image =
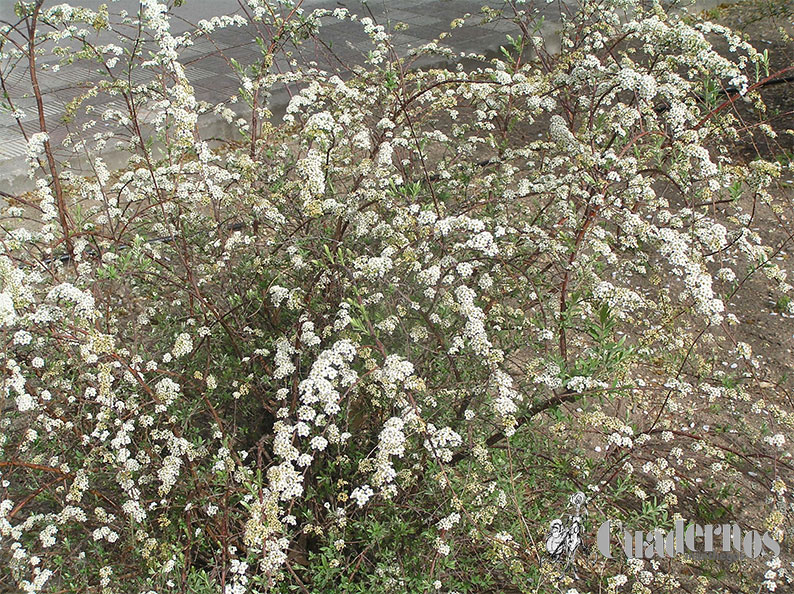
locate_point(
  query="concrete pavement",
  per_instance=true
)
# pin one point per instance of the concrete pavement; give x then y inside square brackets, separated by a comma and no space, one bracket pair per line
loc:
[206,62]
[208,69]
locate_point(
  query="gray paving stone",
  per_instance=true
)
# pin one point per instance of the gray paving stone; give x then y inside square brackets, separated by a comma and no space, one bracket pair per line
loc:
[13,149]
[212,77]
[393,16]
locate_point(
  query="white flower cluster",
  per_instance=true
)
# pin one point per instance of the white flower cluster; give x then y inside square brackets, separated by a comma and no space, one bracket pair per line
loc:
[441,441]
[361,495]
[84,305]
[449,522]
[393,374]
[391,442]
[7,312]
[475,331]
[36,144]
[182,346]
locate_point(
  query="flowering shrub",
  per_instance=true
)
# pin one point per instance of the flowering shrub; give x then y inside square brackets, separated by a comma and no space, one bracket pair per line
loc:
[372,346]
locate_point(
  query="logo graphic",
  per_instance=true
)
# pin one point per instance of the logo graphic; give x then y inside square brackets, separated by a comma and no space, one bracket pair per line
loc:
[564,541]
[682,540]
[724,541]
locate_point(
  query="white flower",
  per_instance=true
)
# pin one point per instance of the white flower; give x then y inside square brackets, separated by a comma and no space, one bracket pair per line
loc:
[22,337]
[25,402]
[47,536]
[448,522]
[362,494]
[36,144]
[319,443]
[182,346]
[744,350]
[7,312]
[777,440]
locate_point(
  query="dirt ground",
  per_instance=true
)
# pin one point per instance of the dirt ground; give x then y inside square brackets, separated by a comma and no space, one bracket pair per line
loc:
[767,24]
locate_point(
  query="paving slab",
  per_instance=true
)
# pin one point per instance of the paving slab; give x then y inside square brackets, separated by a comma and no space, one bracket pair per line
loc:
[207,62]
